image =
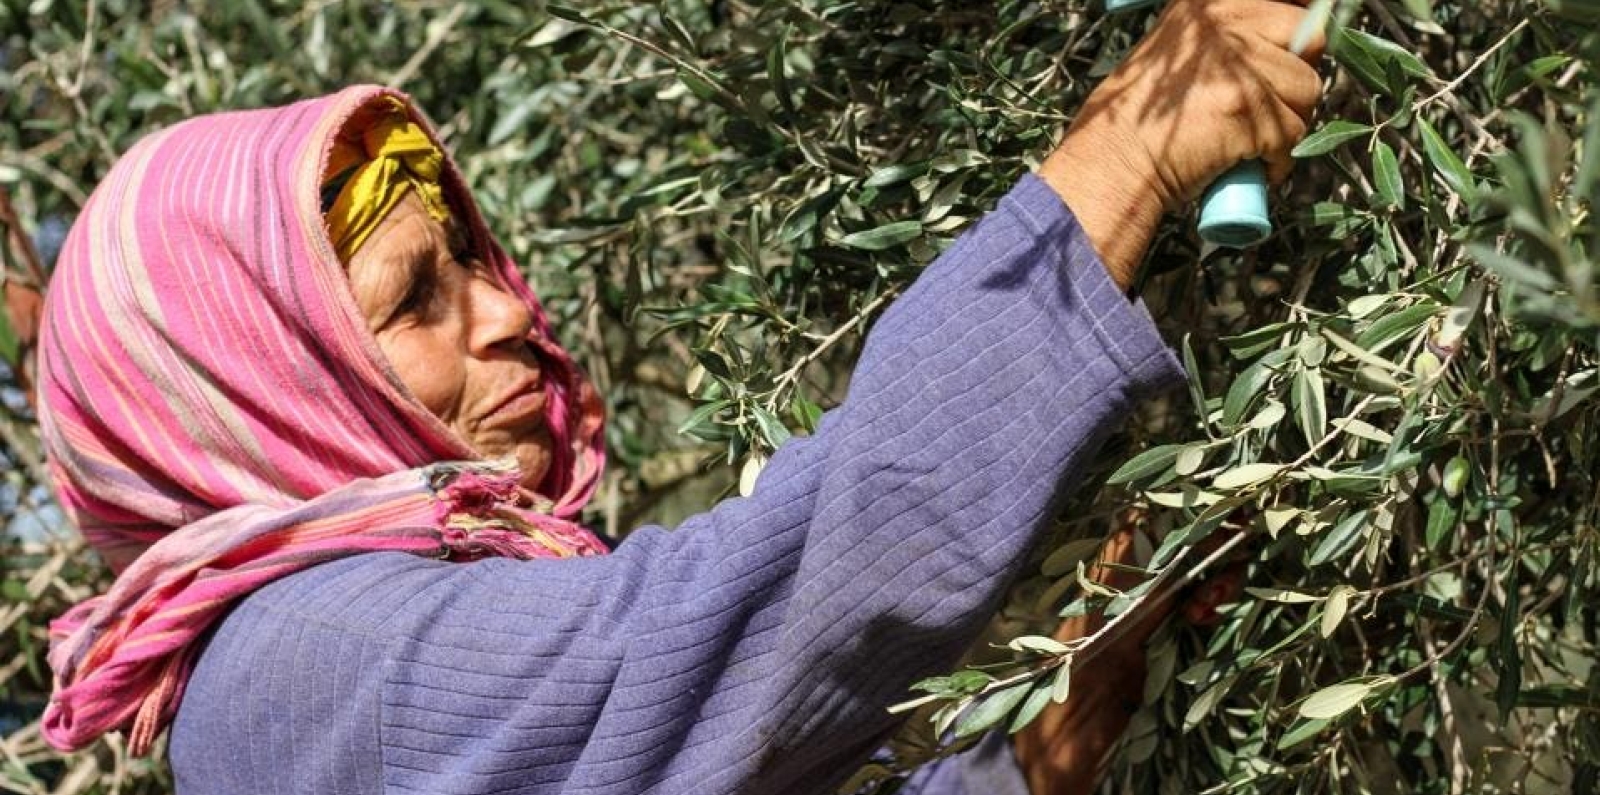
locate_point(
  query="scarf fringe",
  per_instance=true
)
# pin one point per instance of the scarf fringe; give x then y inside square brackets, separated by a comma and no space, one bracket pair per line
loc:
[480,516]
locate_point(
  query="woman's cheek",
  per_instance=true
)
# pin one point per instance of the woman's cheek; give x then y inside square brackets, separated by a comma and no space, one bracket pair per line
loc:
[427,367]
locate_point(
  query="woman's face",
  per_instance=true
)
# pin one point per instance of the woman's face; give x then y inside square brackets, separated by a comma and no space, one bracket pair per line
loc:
[455,335]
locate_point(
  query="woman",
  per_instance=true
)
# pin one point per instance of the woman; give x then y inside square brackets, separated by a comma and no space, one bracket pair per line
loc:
[307,409]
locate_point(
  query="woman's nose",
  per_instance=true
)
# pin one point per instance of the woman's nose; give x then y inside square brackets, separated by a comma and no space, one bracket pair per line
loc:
[500,319]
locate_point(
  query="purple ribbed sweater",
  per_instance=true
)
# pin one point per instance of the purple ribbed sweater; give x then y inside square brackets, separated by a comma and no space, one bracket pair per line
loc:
[755,648]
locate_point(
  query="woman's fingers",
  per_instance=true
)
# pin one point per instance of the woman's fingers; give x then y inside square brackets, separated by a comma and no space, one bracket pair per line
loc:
[1222,585]
[1222,588]
[1278,103]
[1279,24]
[1293,80]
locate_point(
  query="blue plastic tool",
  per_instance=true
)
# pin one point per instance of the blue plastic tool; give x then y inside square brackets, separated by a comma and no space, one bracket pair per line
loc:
[1233,211]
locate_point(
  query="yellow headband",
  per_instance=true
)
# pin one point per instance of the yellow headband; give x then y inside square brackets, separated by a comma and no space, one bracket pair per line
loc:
[395,155]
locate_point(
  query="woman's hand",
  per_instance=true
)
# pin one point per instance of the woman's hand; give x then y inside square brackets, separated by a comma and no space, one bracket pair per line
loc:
[1215,83]
[1065,749]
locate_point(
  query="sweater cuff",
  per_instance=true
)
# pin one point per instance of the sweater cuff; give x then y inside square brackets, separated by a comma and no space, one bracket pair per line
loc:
[1121,324]
[990,767]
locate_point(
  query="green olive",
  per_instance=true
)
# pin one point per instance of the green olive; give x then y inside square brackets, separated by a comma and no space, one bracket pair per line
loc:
[1455,476]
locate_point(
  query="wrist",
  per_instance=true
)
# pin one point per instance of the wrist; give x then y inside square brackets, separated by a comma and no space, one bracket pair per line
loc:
[1114,192]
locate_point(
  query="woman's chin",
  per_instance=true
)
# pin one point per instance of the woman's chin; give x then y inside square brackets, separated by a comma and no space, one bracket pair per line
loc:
[530,448]
[533,460]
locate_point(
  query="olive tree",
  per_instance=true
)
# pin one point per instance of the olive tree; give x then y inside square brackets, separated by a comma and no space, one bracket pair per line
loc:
[1390,420]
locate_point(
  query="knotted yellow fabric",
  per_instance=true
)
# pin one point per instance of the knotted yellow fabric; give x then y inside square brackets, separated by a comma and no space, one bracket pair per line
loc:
[394,155]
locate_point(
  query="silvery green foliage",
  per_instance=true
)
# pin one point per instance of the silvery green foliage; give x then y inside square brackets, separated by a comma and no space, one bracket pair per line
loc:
[1395,395]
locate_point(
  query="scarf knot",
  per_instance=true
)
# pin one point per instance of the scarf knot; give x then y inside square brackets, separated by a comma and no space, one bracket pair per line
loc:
[396,156]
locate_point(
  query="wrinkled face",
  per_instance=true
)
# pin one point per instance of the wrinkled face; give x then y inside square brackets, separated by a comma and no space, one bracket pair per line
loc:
[455,335]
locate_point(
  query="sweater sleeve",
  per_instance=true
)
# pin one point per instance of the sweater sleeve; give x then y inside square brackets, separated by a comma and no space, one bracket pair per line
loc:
[755,648]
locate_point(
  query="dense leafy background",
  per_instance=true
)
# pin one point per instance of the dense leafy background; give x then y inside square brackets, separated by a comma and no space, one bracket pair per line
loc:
[1396,394]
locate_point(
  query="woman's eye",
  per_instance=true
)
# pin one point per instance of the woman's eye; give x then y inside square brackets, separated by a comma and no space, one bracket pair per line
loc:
[418,298]
[422,297]
[466,257]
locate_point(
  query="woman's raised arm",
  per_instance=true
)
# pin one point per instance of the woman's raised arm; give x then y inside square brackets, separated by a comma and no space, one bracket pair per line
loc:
[755,648]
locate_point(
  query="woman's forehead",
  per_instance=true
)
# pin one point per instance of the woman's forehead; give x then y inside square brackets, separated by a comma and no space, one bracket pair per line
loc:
[407,224]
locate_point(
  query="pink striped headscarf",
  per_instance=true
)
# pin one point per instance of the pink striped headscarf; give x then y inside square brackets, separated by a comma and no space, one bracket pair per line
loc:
[217,415]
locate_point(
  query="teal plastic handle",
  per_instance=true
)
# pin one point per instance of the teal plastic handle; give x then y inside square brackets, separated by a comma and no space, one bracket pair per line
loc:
[1233,212]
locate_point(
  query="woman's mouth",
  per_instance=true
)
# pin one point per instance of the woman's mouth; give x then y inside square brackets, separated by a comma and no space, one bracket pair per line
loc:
[524,404]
